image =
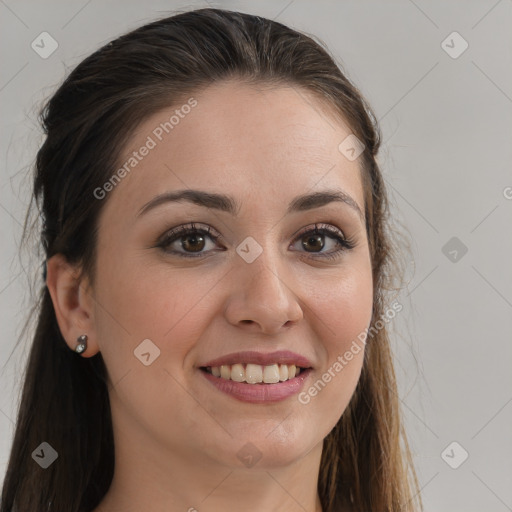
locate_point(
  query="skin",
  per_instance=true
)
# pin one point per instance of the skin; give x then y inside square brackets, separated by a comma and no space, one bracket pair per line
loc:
[176,436]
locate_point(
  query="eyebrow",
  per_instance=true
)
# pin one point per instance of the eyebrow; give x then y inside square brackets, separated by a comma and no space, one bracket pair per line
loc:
[229,205]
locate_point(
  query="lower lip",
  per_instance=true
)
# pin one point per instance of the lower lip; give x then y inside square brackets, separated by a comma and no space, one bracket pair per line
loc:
[259,393]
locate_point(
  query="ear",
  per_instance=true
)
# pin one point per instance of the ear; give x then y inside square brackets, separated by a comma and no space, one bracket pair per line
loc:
[73,303]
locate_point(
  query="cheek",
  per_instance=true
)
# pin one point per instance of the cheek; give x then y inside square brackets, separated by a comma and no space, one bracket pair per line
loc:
[139,301]
[342,309]
[348,312]
[342,313]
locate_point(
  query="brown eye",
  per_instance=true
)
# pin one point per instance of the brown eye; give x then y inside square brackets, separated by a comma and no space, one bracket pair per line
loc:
[193,242]
[188,241]
[313,242]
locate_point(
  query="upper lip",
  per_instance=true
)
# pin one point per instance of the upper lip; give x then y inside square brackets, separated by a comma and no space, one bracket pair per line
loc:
[264,359]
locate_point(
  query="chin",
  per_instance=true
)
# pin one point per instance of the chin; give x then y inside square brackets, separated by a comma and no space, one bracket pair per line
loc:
[261,450]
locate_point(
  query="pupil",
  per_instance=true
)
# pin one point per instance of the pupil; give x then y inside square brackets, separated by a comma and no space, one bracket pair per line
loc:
[194,239]
[314,240]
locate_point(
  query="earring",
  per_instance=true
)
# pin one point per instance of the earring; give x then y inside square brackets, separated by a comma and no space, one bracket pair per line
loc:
[82,344]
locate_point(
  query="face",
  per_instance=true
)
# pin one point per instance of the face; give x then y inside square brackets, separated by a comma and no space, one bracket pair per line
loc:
[256,279]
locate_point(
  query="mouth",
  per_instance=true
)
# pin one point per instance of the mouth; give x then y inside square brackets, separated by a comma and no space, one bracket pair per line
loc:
[255,373]
[258,377]
[251,386]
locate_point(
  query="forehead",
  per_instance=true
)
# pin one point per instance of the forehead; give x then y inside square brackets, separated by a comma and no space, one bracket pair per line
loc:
[262,143]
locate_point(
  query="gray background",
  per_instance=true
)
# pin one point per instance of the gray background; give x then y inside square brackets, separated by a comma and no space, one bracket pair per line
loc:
[446,157]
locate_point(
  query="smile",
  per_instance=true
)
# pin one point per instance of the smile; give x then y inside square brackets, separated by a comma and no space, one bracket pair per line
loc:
[255,373]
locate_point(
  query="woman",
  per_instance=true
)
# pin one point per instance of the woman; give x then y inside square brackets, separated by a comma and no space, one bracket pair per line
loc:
[213,329]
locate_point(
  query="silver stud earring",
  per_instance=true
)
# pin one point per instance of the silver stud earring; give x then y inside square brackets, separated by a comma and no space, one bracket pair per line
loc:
[81,344]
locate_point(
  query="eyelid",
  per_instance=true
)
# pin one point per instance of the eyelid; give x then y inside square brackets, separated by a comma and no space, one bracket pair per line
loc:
[328,226]
[320,226]
[191,226]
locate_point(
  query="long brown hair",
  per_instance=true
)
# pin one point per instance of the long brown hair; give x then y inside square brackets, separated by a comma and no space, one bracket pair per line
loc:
[366,463]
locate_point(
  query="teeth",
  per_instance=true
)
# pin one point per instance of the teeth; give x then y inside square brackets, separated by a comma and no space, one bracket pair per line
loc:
[225,372]
[237,373]
[255,373]
[271,374]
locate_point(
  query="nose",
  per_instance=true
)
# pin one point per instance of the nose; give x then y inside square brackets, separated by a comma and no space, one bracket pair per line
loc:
[264,297]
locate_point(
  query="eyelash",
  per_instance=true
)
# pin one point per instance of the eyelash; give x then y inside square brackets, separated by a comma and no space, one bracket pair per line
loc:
[171,236]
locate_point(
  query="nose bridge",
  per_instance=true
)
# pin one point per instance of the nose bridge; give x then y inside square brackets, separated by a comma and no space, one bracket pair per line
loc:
[268,280]
[263,291]
[264,262]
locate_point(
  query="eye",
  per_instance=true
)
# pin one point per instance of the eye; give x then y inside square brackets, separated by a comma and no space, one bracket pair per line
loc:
[192,239]
[312,239]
